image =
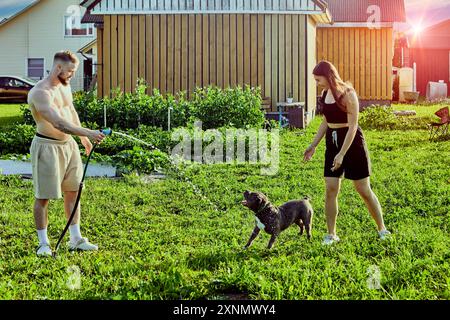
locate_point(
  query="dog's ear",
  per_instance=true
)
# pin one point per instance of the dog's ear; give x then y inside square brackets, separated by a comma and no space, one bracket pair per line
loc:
[261,198]
[246,192]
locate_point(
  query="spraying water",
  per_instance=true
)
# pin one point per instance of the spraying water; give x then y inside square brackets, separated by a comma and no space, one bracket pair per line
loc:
[172,163]
[135,139]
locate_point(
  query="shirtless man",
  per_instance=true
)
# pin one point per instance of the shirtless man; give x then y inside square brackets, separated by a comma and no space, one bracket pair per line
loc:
[56,161]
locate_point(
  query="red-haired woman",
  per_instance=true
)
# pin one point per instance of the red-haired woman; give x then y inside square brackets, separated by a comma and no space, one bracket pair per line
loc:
[346,151]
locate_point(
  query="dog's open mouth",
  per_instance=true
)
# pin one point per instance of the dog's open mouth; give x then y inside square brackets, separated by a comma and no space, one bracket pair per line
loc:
[244,202]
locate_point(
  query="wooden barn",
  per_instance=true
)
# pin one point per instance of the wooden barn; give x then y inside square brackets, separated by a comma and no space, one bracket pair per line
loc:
[360,44]
[430,50]
[180,44]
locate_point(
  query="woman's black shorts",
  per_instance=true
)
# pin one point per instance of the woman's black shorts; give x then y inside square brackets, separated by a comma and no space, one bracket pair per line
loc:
[356,163]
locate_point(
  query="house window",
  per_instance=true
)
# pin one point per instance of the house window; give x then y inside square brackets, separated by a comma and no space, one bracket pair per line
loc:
[74,27]
[36,68]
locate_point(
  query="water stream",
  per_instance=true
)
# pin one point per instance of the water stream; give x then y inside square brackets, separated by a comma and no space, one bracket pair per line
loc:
[172,162]
[174,166]
[135,139]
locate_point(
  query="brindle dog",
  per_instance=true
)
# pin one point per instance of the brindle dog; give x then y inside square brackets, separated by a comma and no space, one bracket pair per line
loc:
[273,220]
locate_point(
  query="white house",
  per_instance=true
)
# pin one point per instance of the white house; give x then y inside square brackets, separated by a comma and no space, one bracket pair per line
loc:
[30,38]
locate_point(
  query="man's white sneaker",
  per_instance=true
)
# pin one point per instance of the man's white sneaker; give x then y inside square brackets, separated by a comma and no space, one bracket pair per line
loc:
[330,239]
[83,244]
[384,234]
[44,250]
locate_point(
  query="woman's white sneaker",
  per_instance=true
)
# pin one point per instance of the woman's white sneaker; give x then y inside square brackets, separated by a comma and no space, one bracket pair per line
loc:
[44,250]
[83,244]
[329,239]
[384,234]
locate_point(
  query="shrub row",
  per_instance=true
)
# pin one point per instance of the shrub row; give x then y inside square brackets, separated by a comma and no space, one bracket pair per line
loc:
[215,107]
[129,155]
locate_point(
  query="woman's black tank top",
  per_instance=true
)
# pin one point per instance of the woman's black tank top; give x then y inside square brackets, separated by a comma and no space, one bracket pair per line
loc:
[332,112]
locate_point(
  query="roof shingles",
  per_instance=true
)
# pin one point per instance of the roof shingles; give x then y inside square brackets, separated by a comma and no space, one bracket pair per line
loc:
[358,10]
[341,10]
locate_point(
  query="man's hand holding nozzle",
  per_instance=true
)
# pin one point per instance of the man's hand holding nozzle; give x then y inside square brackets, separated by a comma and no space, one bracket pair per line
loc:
[96,136]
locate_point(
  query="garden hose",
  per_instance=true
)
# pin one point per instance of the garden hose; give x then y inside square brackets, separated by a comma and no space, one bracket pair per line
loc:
[106,132]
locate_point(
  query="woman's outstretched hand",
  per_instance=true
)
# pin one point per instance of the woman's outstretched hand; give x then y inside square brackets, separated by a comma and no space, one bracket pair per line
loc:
[309,152]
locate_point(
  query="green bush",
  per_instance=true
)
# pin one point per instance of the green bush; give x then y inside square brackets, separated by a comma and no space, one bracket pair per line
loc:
[215,107]
[145,117]
[125,154]
[232,107]
[140,160]
[17,140]
[129,110]
[26,114]
[378,117]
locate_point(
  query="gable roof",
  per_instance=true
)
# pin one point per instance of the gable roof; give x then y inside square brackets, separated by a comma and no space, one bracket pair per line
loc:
[97,8]
[89,46]
[91,18]
[31,5]
[89,4]
[356,10]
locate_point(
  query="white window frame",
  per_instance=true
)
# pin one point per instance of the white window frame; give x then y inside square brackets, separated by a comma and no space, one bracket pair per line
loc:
[26,68]
[88,25]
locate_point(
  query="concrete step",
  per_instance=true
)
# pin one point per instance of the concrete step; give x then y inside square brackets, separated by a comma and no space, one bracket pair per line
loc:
[11,167]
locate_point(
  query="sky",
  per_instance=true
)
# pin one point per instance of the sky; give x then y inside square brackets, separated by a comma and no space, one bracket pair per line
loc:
[427,12]
[9,7]
[424,13]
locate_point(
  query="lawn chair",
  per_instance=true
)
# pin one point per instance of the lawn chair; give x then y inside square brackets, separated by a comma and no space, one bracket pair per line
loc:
[438,129]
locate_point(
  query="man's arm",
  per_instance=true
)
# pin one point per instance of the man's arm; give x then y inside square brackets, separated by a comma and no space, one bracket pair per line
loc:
[76,120]
[42,102]
[75,117]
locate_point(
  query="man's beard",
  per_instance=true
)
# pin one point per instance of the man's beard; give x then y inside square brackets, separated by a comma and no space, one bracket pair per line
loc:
[64,82]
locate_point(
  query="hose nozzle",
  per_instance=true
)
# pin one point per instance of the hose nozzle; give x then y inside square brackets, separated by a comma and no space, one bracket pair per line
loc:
[106,131]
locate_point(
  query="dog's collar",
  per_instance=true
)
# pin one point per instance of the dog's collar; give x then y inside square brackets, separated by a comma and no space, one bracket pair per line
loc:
[263,208]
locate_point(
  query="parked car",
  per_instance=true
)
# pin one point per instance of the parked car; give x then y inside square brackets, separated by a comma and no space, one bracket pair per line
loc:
[15,89]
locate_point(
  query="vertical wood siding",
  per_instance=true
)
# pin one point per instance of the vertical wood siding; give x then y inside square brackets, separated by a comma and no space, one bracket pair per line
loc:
[180,52]
[362,56]
[432,65]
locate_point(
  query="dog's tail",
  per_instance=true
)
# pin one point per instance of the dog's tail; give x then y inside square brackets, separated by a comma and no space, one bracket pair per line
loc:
[307,197]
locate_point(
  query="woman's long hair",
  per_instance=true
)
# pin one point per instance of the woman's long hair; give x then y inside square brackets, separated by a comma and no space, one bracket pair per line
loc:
[338,87]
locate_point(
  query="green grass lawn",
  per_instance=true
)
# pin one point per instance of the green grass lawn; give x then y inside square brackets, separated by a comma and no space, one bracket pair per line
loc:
[420,110]
[162,240]
[9,114]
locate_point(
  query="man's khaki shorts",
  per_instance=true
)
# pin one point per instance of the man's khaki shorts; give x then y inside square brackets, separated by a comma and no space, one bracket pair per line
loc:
[56,167]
